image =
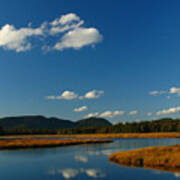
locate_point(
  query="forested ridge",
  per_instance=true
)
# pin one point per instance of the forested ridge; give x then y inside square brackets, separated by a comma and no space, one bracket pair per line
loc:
[42,125]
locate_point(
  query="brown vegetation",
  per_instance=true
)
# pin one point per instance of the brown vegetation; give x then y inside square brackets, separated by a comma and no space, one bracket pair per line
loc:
[32,143]
[162,157]
[119,135]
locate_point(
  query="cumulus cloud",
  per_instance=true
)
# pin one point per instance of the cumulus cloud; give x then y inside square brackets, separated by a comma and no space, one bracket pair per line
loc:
[69,95]
[174,90]
[133,112]
[17,39]
[111,114]
[93,94]
[169,111]
[66,95]
[80,109]
[78,38]
[95,114]
[67,31]
[65,19]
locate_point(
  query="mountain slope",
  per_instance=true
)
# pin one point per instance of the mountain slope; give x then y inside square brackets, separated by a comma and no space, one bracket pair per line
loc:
[93,122]
[40,122]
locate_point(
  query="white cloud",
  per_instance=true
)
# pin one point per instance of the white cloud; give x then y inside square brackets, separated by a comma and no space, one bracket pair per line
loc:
[17,39]
[133,112]
[93,94]
[60,29]
[68,29]
[65,19]
[111,114]
[169,111]
[174,90]
[81,158]
[91,115]
[69,95]
[78,38]
[155,93]
[80,109]
[66,95]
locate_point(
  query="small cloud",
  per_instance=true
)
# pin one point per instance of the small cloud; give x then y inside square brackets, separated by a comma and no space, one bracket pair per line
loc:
[65,19]
[94,94]
[133,112]
[111,114]
[174,90]
[91,115]
[168,111]
[69,95]
[155,93]
[80,109]
[66,95]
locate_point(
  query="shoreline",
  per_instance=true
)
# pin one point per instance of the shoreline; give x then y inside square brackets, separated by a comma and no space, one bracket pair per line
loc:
[165,158]
[118,135]
[32,143]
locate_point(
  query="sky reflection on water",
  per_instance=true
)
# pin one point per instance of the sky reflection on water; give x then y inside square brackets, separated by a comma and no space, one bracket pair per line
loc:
[79,162]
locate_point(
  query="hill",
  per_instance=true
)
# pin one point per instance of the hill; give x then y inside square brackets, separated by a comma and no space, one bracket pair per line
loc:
[41,122]
[93,122]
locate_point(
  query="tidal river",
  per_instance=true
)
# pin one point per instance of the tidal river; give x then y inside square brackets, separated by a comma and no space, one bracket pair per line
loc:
[81,162]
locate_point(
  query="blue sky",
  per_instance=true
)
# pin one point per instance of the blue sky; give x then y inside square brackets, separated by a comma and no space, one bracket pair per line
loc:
[115,59]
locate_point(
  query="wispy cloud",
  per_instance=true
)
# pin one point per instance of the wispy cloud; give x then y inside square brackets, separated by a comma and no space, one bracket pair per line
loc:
[95,114]
[80,109]
[133,112]
[155,93]
[67,32]
[170,91]
[169,111]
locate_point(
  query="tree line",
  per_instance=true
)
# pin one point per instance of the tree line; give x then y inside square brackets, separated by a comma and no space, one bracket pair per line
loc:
[162,125]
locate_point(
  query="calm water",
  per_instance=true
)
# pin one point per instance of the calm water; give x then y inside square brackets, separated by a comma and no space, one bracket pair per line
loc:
[80,162]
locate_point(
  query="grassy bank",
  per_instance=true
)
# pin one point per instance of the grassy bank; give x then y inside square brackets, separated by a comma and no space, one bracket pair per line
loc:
[32,143]
[119,135]
[163,158]
[127,135]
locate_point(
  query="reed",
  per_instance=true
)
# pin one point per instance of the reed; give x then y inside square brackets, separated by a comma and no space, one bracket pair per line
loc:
[33,143]
[118,135]
[161,157]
